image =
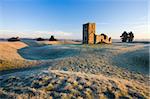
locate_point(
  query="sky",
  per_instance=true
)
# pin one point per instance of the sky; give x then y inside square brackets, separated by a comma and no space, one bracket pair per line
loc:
[64,18]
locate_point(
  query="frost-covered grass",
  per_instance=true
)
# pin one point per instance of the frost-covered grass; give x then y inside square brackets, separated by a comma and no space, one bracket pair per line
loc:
[65,84]
[104,59]
[79,71]
[136,60]
[47,52]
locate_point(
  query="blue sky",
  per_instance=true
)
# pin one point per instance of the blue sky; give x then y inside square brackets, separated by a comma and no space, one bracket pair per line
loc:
[64,18]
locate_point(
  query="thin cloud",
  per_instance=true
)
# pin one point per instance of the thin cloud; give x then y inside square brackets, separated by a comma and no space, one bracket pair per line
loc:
[35,34]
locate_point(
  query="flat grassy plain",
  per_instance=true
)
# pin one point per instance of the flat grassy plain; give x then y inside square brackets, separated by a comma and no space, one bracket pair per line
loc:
[74,71]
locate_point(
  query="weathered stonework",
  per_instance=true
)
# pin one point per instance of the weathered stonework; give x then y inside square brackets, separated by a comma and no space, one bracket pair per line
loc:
[88,33]
[89,36]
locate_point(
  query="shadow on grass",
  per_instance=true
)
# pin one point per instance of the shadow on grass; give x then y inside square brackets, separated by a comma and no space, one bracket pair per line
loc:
[47,52]
[134,61]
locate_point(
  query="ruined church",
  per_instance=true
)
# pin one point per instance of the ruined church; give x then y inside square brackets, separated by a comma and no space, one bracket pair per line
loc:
[89,36]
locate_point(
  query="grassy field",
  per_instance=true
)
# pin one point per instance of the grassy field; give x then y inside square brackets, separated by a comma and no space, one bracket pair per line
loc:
[118,70]
[11,59]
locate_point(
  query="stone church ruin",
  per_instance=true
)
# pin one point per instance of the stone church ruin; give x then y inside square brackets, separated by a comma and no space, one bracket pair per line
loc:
[89,36]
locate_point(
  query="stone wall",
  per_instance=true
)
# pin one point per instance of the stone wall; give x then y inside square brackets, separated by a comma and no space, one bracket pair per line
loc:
[91,31]
[85,34]
[99,39]
[102,39]
[88,33]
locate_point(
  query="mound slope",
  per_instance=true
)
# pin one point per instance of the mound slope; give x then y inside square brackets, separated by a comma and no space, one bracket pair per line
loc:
[9,57]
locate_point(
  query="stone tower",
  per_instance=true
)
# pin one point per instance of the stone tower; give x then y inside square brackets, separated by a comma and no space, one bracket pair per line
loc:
[89,33]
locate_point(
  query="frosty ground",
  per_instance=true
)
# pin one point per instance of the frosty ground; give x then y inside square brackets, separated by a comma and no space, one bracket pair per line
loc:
[118,70]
